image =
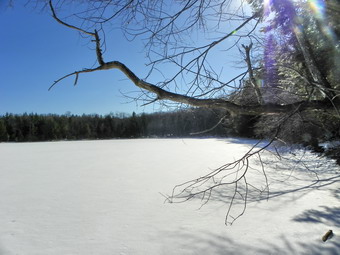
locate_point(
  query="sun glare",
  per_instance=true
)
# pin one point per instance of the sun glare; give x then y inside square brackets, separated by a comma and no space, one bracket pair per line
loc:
[288,10]
[266,6]
[318,9]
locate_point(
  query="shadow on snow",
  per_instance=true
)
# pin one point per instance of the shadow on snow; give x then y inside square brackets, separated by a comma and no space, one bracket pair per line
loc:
[208,243]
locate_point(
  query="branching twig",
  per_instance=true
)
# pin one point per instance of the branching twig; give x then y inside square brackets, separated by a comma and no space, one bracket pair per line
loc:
[93,34]
[210,129]
[163,94]
[251,74]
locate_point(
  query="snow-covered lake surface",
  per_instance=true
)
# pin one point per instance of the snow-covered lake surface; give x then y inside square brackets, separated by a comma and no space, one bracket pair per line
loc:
[104,197]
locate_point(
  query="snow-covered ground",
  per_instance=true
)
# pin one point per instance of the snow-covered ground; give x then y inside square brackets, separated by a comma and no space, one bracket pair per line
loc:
[105,197]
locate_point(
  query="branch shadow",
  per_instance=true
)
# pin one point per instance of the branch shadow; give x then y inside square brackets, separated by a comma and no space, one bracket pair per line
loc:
[288,190]
[297,176]
[289,179]
[209,243]
[327,215]
[286,181]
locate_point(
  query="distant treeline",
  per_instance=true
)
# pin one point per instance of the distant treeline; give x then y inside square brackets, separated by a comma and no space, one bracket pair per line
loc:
[36,127]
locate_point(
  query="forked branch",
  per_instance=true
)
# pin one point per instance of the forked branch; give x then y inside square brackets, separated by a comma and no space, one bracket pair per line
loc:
[163,94]
[232,175]
[228,175]
[93,34]
[251,74]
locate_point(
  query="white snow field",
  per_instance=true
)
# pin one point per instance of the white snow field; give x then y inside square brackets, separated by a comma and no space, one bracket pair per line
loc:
[104,198]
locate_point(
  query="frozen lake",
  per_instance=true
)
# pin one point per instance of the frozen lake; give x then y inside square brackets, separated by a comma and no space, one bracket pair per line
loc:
[105,197]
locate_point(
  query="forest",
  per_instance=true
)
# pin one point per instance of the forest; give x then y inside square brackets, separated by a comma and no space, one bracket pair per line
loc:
[37,127]
[191,122]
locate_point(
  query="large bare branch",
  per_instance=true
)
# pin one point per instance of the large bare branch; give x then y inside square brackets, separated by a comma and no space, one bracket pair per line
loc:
[66,24]
[93,34]
[163,94]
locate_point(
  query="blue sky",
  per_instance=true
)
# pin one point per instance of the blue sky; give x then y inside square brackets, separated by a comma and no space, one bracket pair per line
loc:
[35,51]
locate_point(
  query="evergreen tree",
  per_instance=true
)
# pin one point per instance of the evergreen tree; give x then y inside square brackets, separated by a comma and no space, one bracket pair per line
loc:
[3,131]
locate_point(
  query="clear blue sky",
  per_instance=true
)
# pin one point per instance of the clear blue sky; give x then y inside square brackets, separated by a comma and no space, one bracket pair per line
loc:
[35,50]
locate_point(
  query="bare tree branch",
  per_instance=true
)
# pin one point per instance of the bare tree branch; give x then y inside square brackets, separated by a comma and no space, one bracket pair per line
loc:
[67,25]
[163,94]
[251,74]
[93,34]
[210,129]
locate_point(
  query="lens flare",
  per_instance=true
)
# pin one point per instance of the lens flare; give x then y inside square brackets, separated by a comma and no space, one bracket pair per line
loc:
[266,7]
[318,9]
[295,20]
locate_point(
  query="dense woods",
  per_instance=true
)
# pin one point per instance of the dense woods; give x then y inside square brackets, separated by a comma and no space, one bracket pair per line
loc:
[191,122]
[34,127]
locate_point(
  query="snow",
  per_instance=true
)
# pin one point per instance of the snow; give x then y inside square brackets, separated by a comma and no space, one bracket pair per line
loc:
[330,144]
[105,197]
